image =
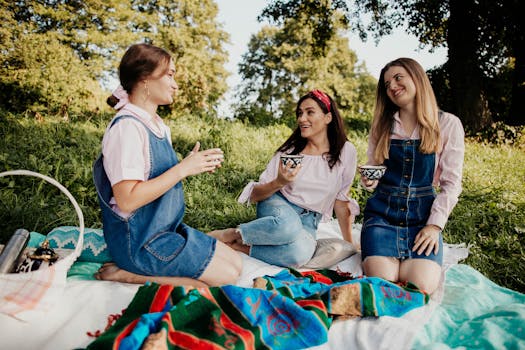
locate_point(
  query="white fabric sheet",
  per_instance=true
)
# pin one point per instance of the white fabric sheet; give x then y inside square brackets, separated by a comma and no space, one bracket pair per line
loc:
[86,305]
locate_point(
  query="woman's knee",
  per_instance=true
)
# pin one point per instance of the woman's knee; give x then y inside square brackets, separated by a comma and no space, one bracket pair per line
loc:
[300,252]
[428,284]
[225,266]
[425,274]
[286,221]
[230,274]
[290,227]
[233,267]
[287,225]
[383,267]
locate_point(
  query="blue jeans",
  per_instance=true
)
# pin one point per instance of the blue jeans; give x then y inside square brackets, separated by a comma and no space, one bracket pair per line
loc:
[283,233]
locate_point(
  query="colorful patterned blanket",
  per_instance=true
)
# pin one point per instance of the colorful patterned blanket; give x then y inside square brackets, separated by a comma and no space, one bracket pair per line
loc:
[291,310]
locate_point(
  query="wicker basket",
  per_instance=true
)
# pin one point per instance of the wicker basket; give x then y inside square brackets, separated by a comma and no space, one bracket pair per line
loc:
[24,294]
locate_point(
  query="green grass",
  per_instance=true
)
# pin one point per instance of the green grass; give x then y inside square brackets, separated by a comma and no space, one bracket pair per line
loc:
[490,215]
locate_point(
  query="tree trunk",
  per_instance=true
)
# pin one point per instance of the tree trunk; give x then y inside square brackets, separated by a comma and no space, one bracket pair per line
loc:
[517,109]
[468,102]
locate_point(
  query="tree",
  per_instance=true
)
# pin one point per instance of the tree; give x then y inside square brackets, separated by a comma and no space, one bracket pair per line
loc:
[464,70]
[508,14]
[325,17]
[55,53]
[485,41]
[286,60]
[189,29]
[483,38]
[40,67]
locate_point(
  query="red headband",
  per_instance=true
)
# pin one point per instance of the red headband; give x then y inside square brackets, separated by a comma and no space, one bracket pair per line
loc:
[322,97]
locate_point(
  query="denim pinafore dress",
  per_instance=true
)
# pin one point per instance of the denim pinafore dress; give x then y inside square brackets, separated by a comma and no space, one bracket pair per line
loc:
[153,240]
[400,205]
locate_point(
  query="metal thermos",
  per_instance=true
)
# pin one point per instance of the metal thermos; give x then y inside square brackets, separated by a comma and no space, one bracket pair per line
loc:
[12,250]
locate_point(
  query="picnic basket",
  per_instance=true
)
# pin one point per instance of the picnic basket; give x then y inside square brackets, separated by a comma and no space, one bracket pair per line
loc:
[22,295]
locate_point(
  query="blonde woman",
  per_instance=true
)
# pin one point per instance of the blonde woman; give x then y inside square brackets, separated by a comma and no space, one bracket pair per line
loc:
[422,148]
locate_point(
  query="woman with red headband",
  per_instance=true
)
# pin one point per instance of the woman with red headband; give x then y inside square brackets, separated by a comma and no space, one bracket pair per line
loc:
[291,201]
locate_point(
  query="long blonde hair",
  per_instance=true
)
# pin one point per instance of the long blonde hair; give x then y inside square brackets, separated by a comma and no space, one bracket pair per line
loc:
[426,110]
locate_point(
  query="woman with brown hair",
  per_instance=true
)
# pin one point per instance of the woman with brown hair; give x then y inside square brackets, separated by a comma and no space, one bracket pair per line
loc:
[138,179]
[292,201]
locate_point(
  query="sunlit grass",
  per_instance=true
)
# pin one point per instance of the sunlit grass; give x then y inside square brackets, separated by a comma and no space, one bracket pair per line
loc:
[490,215]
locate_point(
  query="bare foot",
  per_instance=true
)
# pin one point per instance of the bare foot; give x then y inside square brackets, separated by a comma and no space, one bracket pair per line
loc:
[111,272]
[228,235]
[105,272]
[238,246]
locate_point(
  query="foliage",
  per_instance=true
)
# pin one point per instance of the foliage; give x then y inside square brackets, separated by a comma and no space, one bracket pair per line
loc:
[490,215]
[285,61]
[325,27]
[55,54]
[501,134]
[49,78]
[482,37]
[189,29]
[61,150]
[497,97]
[485,41]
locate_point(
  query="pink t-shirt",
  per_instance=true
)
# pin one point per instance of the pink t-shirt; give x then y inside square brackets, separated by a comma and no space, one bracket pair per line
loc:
[316,186]
[448,167]
[125,147]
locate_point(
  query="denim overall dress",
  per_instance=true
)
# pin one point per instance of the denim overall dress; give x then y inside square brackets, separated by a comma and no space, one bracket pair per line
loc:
[153,240]
[400,206]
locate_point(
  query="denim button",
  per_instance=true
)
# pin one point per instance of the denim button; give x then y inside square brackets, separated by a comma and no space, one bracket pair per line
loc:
[403,209]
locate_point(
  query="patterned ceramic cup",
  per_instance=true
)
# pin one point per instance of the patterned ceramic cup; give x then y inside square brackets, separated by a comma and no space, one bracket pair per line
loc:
[372,172]
[292,159]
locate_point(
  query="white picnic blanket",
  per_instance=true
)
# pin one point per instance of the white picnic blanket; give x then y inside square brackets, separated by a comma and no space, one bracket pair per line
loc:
[86,305]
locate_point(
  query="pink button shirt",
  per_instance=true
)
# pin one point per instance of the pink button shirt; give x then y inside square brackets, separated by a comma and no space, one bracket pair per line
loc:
[448,167]
[125,147]
[316,186]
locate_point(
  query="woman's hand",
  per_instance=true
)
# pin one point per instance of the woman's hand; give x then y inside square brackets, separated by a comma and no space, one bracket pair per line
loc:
[287,174]
[427,240]
[198,162]
[345,219]
[368,184]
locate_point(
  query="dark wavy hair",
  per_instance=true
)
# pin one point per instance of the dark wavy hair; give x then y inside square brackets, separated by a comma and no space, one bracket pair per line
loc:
[336,133]
[138,63]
